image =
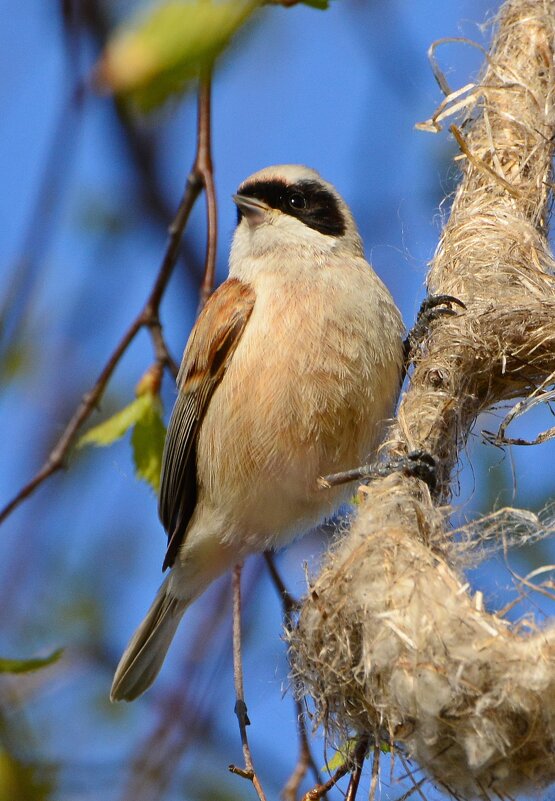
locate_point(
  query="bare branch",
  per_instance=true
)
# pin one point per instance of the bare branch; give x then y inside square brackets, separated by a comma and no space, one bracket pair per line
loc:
[148,316]
[353,764]
[375,772]
[321,789]
[360,754]
[305,758]
[184,713]
[248,771]
[206,170]
[161,350]
[416,789]
[416,785]
[289,603]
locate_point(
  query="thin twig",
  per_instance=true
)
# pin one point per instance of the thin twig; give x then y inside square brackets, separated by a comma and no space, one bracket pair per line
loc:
[206,170]
[321,789]
[416,786]
[375,772]
[161,350]
[289,602]
[360,753]
[354,764]
[240,705]
[147,317]
[248,771]
[305,759]
[189,709]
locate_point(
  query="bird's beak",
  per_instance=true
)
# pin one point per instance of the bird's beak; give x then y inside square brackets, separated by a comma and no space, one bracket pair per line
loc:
[253,208]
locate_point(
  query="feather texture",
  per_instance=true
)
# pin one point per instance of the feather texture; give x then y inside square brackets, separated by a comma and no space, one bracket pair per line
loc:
[290,373]
[208,353]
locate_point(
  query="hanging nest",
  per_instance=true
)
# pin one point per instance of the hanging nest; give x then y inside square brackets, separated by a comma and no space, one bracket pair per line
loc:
[390,643]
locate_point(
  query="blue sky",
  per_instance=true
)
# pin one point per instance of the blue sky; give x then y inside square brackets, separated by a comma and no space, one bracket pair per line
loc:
[340,91]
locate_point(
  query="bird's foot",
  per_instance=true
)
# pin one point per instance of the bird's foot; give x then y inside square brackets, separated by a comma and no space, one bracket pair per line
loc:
[418,464]
[432,307]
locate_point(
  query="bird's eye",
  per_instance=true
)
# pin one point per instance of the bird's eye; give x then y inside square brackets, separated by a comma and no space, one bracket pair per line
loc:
[297,201]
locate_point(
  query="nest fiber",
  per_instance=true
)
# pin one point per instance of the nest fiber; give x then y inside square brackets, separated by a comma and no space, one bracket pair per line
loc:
[389,641]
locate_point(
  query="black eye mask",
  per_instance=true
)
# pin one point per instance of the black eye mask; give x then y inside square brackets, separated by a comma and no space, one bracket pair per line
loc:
[308,201]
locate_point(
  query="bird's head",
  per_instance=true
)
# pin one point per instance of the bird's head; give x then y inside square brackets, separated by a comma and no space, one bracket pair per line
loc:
[290,207]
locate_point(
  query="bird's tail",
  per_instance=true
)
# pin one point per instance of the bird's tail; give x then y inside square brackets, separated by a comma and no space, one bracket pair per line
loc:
[143,657]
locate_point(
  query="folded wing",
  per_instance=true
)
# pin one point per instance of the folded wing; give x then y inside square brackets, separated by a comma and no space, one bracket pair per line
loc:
[208,354]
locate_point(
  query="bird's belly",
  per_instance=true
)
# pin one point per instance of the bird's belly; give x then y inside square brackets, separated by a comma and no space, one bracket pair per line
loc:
[304,419]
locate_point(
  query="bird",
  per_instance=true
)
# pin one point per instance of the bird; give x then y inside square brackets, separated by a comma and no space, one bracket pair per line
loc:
[290,373]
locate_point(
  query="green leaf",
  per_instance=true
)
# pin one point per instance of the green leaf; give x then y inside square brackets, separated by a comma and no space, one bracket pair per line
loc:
[115,427]
[346,751]
[157,54]
[343,754]
[321,5]
[23,779]
[144,416]
[27,665]
[147,442]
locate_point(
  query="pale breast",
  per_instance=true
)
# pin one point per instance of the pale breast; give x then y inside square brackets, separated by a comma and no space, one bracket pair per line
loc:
[313,380]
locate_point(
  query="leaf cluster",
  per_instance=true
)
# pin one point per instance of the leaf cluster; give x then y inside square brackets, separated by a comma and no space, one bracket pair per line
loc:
[148,432]
[156,55]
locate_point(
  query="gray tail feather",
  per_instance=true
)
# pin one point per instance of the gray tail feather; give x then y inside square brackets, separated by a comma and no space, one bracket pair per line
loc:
[143,657]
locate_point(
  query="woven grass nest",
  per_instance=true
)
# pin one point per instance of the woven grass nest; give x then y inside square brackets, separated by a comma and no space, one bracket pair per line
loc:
[390,642]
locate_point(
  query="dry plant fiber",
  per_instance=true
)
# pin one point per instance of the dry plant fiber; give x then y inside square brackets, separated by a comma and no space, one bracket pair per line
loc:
[392,643]
[389,641]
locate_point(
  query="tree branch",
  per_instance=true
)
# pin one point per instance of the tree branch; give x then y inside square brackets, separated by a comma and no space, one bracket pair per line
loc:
[185,712]
[321,789]
[288,602]
[147,317]
[375,772]
[305,758]
[248,771]
[360,754]
[206,170]
[354,765]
